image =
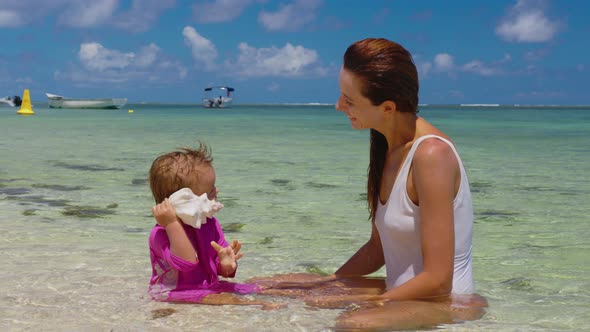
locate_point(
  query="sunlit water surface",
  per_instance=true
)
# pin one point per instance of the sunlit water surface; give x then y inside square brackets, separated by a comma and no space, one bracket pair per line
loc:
[76,211]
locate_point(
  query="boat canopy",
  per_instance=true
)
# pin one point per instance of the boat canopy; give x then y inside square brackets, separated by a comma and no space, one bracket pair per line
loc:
[220,87]
[52,96]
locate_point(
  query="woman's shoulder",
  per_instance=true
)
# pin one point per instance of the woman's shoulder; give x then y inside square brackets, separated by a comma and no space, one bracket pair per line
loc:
[430,135]
[434,149]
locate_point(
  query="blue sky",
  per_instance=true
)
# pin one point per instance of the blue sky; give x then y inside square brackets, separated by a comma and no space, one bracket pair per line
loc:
[513,52]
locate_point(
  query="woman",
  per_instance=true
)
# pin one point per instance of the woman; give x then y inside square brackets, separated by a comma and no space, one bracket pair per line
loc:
[422,225]
[419,202]
[417,191]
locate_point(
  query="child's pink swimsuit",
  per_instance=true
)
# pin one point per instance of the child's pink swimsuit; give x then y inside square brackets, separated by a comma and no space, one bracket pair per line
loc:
[177,280]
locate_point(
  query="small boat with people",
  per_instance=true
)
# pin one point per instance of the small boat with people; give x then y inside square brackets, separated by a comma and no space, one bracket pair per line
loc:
[11,101]
[57,101]
[218,97]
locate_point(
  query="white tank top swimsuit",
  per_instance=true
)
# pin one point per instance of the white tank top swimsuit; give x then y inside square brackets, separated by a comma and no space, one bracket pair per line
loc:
[398,224]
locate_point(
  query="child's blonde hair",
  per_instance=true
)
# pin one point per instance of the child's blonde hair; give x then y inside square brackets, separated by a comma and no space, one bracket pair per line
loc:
[175,170]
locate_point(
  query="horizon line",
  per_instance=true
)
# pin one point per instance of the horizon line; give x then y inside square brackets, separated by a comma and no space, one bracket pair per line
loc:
[482,105]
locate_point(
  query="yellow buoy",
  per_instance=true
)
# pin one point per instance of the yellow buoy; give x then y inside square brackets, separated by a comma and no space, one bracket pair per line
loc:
[25,107]
[130,111]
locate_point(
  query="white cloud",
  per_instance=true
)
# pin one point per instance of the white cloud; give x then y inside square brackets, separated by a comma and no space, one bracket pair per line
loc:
[171,66]
[203,50]
[88,13]
[102,65]
[526,22]
[18,13]
[290,17]
[424,68]
[443,62]
[274,86]
[86,78]
[219,10]
[84,13]
[95,57]
[10,18]
[142,14]
[480,68]
[289,61]
[147,55]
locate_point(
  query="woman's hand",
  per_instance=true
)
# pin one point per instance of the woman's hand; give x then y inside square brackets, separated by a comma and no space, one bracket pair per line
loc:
[164,213]
[317,282]
[228,256]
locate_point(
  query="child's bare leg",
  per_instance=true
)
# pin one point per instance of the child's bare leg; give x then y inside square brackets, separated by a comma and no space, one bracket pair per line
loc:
[232,299]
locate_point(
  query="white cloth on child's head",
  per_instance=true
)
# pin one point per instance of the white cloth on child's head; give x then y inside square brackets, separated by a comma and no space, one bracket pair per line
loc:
[193,210]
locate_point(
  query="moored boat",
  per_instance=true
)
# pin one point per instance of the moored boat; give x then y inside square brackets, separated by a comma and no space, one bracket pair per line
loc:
[57,101]
[218,97]
[11,101]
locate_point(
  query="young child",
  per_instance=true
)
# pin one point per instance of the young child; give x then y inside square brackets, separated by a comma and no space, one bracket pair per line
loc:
[187,261]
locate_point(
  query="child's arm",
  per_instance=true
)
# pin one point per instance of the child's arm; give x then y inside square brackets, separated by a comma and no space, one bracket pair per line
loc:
[180,245]
[228,257]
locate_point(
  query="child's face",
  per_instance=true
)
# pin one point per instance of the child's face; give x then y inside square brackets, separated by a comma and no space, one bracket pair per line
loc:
[206,182]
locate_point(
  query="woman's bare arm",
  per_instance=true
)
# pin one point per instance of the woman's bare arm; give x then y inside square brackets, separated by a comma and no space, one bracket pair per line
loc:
[435,173]
[368,259]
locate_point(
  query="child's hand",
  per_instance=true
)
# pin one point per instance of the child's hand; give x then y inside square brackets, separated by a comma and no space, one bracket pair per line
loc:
[164,213]
[228,256]
[236,246]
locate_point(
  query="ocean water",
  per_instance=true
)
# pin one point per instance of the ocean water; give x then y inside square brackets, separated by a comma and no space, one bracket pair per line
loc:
[75,211]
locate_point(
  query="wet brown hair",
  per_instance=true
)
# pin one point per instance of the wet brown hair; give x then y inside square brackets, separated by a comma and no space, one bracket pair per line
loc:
[175,170]
[386,71]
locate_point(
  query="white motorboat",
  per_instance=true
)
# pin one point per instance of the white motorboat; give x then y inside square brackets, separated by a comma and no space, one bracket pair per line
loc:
[11,101]
[57,101]
[218,97]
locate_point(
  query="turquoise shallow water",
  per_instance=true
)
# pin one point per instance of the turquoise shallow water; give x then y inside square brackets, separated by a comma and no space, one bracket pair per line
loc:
[76,210]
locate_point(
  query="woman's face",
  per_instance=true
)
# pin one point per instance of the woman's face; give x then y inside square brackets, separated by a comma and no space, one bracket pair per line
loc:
[359,110]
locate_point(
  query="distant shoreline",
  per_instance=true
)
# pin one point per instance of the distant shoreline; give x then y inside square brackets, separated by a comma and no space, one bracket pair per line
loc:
[314,104]
[419,106]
